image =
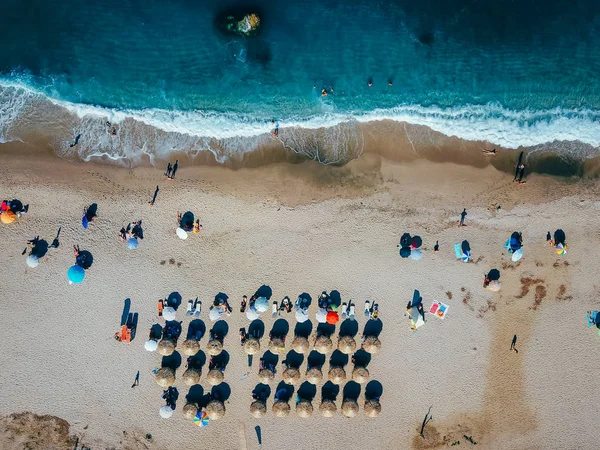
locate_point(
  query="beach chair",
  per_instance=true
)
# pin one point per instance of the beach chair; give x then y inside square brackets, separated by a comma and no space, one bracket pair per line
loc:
[127,335]
[160,307]
[123,333]
[197,307]
[351,312]
[190,306]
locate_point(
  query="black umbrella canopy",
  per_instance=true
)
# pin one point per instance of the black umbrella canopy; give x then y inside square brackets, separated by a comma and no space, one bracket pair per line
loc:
[187,221]
[405,252]
[493,275]
[405,240]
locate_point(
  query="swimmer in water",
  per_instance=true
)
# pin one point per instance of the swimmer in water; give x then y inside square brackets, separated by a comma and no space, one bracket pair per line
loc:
[324,93]
[390,83]
[370,83]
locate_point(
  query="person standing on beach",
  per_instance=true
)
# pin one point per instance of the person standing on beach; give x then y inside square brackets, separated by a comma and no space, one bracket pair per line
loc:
[513,344]
[174,169]
[154,198]
[436,247]
[168,171]
[463,214]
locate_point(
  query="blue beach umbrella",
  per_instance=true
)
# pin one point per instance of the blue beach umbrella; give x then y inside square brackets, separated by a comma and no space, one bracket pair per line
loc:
[76,274]
[132,243]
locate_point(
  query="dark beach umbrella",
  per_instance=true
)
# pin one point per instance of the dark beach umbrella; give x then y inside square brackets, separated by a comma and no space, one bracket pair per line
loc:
[416,242]
[465,247]
[405,240]
[187,221]
[493,275]
[559,237]
[405,252]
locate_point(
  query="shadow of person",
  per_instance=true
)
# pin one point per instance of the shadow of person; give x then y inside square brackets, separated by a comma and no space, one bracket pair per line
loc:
[352,390]
[307,391]
[373,390]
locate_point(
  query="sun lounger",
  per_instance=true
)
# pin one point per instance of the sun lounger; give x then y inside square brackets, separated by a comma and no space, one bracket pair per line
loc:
[123,333]
[197,307]
[160,308]
[190,306]
[127,335]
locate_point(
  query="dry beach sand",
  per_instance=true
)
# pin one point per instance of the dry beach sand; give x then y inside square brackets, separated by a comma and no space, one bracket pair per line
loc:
[303,228]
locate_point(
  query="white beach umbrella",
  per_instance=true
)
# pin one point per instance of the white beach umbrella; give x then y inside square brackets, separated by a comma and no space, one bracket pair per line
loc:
[151,345]
[169,313]
[165,412]
[261,305]
[517,255]
[416,254]
[321,315]
[32,261]
[252,314]
[181,233]
[215,314]
[301,315]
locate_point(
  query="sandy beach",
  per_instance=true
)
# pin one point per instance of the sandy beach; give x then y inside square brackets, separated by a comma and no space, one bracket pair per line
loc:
[303,228]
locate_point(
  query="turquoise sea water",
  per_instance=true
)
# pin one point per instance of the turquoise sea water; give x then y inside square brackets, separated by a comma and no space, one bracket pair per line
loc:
[510,72]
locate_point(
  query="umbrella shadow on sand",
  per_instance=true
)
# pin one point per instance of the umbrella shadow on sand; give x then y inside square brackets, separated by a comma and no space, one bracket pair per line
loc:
[284,391]
[315,359]
[256,329]
[325,329]
[270,358]
[361,358]
[174,300]
[373,327]
[195,394]
[280,329]
[335,298]
[155,331]
[40,248]
[349,328]
[293,359]
[196,329]
[338,359]
[330,391]
[84,259]
[307,391]
[352,390]
[262,392]
[303,329]
[373,390]
[219,330]
[220,361]
[197,361]
[221,392]
[264,291]
[172,361]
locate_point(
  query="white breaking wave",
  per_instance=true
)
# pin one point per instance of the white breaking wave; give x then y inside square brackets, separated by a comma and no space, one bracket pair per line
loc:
[156,132]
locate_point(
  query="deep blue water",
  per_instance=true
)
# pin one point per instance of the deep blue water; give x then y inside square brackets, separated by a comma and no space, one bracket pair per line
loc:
[511,72]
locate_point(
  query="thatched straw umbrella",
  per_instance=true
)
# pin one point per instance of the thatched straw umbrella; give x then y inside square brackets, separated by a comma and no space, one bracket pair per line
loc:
[349,408]
[191,376]
[215,377]
[190,347]
[314,375]
[214,347]
[166,347]
[215,409]
[304,408]
[337,375]
[300,345]
[323,345]
[189,411]
[291,375]
[328,408]
[276,345]
[251,346]
[258,409]
[281,409]
[347,345]
[165,377]
[371,344]
[372,408]
[265,376]
[360,374]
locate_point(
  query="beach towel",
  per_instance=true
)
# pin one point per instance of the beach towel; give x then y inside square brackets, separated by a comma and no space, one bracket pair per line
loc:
[591,318]
[438,309]
[457,251]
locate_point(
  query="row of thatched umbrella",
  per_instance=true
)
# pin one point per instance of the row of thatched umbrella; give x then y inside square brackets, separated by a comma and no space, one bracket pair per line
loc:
[215,409]
[323,345]
[189,347]
[327,408]
[314,375]
[165,377]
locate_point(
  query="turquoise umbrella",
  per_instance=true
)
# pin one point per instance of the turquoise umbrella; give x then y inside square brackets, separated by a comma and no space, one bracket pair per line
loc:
[76,274]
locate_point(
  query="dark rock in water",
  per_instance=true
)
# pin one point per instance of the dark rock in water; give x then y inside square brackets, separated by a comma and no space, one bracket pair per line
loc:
[245,25]
[426,38]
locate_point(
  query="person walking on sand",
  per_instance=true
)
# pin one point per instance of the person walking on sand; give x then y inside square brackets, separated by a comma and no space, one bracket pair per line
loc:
[154,197]
[168,171]
[436,247]
[463,214]
[174,169]
[513,344]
